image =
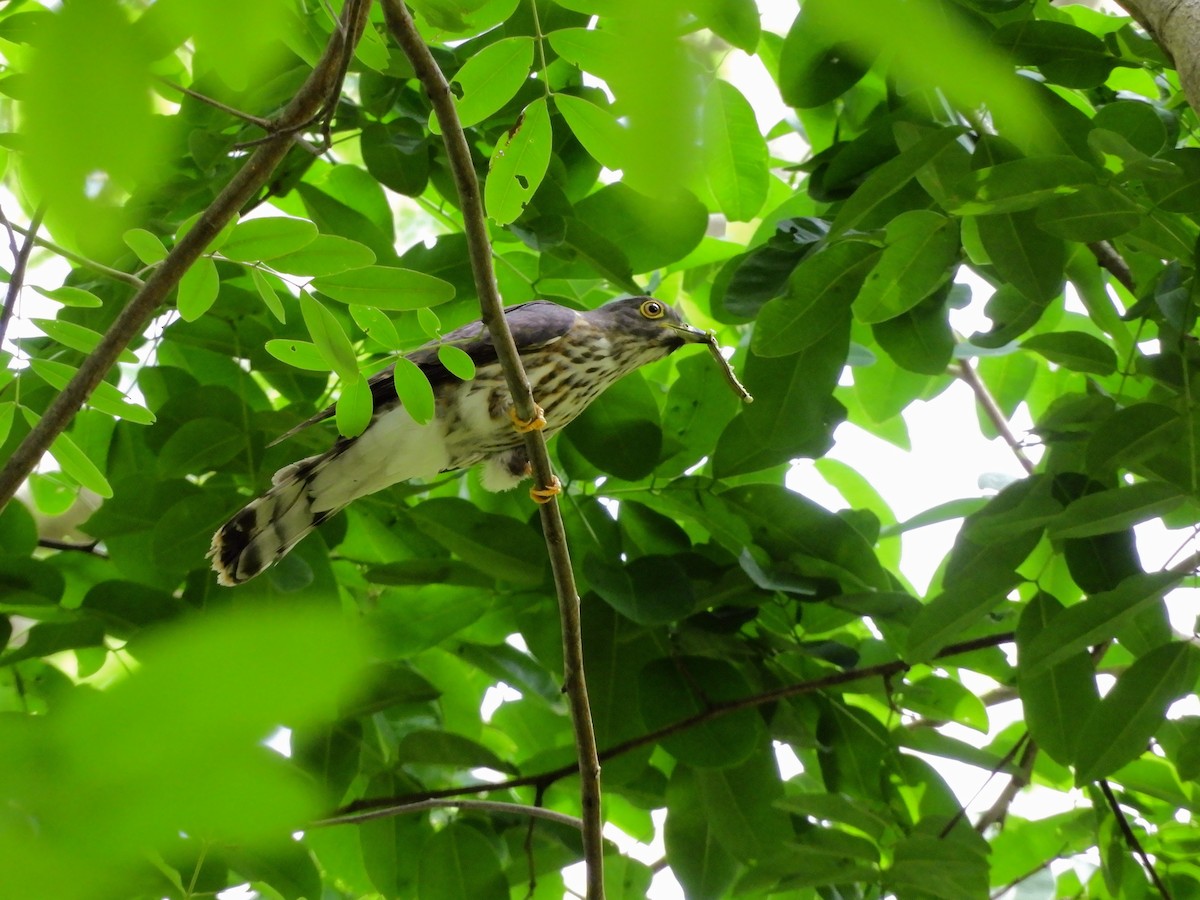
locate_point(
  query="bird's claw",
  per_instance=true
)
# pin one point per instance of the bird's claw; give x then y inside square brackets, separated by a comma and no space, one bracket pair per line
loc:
[546,494]
[524,426]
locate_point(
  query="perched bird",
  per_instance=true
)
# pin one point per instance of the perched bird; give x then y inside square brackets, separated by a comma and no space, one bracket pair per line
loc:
[570,358]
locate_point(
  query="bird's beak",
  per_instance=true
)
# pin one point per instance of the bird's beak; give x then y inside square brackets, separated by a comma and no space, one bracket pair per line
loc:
[690,334]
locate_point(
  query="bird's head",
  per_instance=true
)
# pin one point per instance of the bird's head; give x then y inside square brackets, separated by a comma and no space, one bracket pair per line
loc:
[651,323]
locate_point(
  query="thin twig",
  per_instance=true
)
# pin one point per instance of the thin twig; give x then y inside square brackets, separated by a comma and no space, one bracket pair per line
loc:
[98,267]
[89,548]
[17,278]
[495,806]
[479,249]
[262,123]
[1131,839]
[132,319]
[966,372]
[718,710]
[999,810]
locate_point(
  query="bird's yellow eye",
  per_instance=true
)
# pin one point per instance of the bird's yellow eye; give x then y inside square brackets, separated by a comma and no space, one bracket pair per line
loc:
[653,309]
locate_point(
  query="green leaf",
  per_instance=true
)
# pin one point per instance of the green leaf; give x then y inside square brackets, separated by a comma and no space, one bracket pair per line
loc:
[1092,213]
[145,245]
[739,804]
[1137,122]
[518,164]
[735,153]
[1122,723]
[674,689]
[650,590]
[620,432]
[1059,701]
[407,620]
[598,130]
[397,155]
[385,287]
[354,408]
[815,63]
[268,295]
[495,545]
[1075,350]
[1023,255]
[414,391]
[71,296]
[890,177]
[651,231]
[1066,54]
[819,295]
[1095,620]
[920,254]
[329,337]
[376,325]
[956,609]
[737,21]
[327,254]
[75,463]
[702,865]
[1020,184]
[441,748]
[937,867]
[198,446]
[105,397]
[301,354]
[457,360]
[489,79]
[75,336]
[459,862]
[1115,509]
[198,289]
[943,699]
[257,239]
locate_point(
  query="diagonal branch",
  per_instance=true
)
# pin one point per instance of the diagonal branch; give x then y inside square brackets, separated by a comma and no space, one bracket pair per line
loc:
[137,312]
[494,806]
[1135,846]
[479,249]
[542,780]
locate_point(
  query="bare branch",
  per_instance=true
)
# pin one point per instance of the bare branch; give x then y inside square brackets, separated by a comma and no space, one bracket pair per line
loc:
[98,267]
[715,711]
[479,249]
[17,278]
[966,372]
[495,806]
[265,124]
[132,319]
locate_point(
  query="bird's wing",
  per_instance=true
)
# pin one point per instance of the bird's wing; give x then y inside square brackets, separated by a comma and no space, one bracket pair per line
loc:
[534,325]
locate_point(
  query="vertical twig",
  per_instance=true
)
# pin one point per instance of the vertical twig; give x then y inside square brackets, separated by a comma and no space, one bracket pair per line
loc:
[132,319]
[17,277]
[401,25]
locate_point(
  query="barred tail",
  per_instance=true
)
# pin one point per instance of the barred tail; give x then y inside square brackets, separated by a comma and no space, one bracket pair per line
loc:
[264,531]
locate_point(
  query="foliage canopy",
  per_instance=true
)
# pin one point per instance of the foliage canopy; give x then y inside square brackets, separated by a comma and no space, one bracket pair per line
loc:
[1048,150]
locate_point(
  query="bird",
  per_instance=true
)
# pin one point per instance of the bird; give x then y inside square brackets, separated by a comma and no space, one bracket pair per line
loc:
[570,358]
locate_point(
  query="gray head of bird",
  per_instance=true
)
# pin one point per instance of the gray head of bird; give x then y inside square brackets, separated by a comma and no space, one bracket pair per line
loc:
[647,320]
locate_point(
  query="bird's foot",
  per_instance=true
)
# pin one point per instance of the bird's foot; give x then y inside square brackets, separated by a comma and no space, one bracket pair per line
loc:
[537,423]
[546,494]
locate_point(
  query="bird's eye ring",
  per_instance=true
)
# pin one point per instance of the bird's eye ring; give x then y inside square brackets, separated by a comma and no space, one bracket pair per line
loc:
[653,309]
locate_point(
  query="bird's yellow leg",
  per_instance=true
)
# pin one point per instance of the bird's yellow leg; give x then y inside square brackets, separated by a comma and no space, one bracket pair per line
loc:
[546,494]
[537,423]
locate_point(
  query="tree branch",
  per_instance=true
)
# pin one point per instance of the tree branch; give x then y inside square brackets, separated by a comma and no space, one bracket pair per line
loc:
[17,278]
[966,372]
[716,711]
[479,249]
[137,312]
[1108,258]
[495,806]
